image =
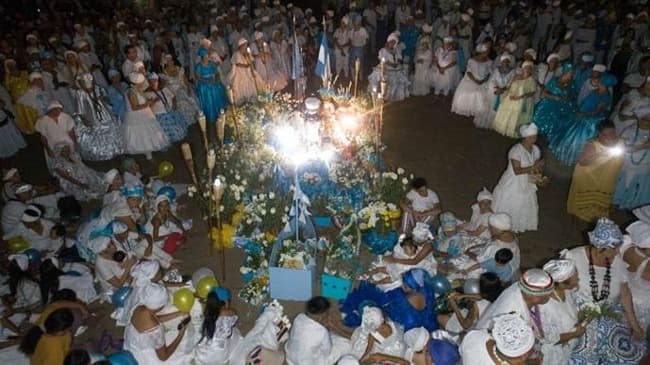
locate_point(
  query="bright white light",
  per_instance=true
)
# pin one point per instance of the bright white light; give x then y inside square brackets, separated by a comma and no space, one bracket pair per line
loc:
[288,137]
[616,151]
[349,121]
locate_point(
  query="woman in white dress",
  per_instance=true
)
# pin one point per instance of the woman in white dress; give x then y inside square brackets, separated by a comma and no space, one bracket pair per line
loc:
[516,192]
[546,71]
[75,178]
[175,79]
[142,274]
[559,315]
[268,68]
[497,85]
[602,280]
[481,211]
[469,98]
[445,68]
[11,141]
[77,278]
[280,54]
[422,81]
[144,335]
[377,335]
[219,336]
[264,341]
[394,72]
[636,254]
[623,114]
[164,227]
[246,83]
[142,132]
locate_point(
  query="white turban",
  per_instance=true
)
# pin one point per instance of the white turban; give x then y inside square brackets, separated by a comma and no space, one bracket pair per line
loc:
[372,318]
[144,271]
[536,282]
[258,35]
[154,296]
[465,17]
[159,199]
[31,214]
[531,52]
[640,233]
[23,188]
[393,37]
[99,244]
[500,221]
[119,227]
[587,57]
[643,213]
[345,20]
[110,175]
[552,56]
[427,28]
[54,105]
[511,47]
[481,48]
[421,232]
[21,260]
[35,75]
[484,195]
[416,338]
[561,269]
[448,39]
[241,42]
[136,78]
[599,68]
[9,174]
[348,360]
[513,337]
[528,130]
[527,64]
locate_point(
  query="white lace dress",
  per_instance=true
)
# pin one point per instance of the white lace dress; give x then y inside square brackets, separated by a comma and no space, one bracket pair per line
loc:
[142,132]
[445,83]
[218,349]
[558,317]
[143,346]
[497,79]
[469,98]
[517,194]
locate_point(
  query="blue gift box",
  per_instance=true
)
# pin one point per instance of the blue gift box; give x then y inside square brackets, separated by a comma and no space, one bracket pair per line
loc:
[334,287]
[289,284]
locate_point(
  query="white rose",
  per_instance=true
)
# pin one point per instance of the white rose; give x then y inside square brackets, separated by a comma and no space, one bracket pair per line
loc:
[400,171]
[221,208]
[237,177]
[249,221]
[272,211]
[263,212]
[271,195]
[405,181]
[285,219]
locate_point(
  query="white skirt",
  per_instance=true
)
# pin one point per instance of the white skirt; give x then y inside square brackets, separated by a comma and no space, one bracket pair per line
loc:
[468,98]
[422,80]
[142,133]
[519,200]
[445,83]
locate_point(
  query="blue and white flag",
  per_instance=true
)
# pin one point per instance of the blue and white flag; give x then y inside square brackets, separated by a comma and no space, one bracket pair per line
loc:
[297,70]
[323,64]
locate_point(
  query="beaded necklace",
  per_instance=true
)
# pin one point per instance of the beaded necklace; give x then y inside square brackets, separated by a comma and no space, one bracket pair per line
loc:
[645,152]
[495,352]
[604,291]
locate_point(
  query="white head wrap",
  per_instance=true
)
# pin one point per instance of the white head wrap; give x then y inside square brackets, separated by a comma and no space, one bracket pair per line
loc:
[23,188]
[421,232]
[241,42]
[110,175]
[31,214]
[21,260]
[345,20]
[531,52]
[393,37]
[552,56]
[587,57]
[258,35]
[330,13]
[465,17]
[500,221]
[528,130]
[643,213]
[527,64]
[9,174]
[599,67]
[154,296]
[99,244]
[69,53]
[144,271]
[427,28]
[484,195]
[119,227]
[511,47]
[159,199]
[416,338]
[640,233]
[560,270]
[54,105]
[481,48]
[35,75]
[372,318]
[448,39]
[513,337]
[136,78]
[536,282]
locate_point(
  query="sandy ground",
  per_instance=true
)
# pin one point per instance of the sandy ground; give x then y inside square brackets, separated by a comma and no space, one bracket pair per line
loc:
[423,137]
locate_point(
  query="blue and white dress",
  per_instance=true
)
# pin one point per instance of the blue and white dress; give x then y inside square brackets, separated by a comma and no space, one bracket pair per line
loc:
[171,121]
[633,186]
[211,93]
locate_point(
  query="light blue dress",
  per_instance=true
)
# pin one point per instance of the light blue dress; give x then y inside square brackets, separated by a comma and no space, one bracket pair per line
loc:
[117,98]
[551,116]
[211,93]
[568,148]
[633,186]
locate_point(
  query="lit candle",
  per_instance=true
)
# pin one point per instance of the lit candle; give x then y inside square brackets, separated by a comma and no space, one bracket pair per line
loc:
[211,159]
[231,95]
[383,66]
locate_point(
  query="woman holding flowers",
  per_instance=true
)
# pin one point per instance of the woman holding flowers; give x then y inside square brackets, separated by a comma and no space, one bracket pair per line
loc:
[602,286]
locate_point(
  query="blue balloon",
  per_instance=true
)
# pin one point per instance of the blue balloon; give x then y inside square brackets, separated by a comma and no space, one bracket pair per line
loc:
[34,255]
[119,296]
[169,191]
[123,357]
[441,284]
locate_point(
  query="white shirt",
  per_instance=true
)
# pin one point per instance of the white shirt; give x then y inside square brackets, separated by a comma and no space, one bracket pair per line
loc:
[359,38]
[131,179]
[128,67]
[473,349]
[41,242]
[342,36]
[422,203]
[309,342]
[55,131]
[11,214]
[106,270]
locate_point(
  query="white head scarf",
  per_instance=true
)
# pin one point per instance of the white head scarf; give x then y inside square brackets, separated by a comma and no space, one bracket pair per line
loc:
[9,174]
[372,318]
[599,68]
[22,188]
[99,244]
[512,335]
[536,282]
[528,130]
[561,269]
[154,296]
[21,260]
[159,199]
[144,271]
[110,175]
[484,195]
[119,227]
[31,214]
[416,338]
[643,213]
[531,52]
[640,233]
[500,221]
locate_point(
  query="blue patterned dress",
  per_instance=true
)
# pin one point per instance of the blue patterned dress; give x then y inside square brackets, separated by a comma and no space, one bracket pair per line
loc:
[211,93]
[171,121]
[568,147]
[633,186]
[553,116]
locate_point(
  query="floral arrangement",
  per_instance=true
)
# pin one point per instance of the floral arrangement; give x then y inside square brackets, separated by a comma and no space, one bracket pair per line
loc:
[266,213]
[394,186]
[256,291]
[342,256]
[293,255]
[377,215]
[589,311]
[347,173]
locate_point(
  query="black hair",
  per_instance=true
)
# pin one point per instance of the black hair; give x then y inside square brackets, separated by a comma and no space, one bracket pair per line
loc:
[503,256]
[210,315]
[59,230]
[605,124]
[119,256]
[32,213]
[407,241]
[49,279]
[317,305]
[127,48]
[57,321]
[77,357]
[16,275]
[102,362]
[418,182]
[490,286]
[64,294]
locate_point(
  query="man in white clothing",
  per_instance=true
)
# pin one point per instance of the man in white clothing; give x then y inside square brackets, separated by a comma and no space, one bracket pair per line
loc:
[310,341]
[55,127]
[358,41]
[420,205]
[342,48]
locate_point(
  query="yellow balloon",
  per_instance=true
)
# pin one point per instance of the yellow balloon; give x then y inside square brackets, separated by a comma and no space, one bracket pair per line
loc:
[18,244]
[205,284]
[165,168]
[184,300]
